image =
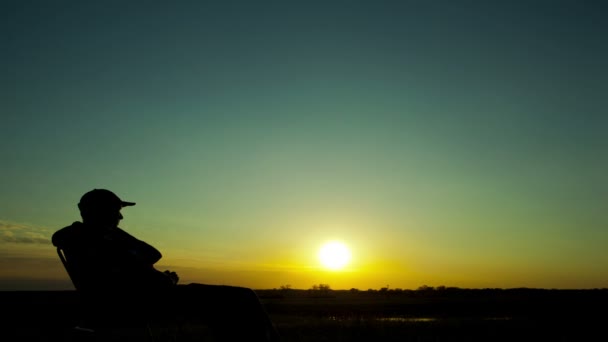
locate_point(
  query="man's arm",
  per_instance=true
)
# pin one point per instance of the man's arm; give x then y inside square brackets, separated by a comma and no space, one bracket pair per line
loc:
[146,253]
[142,251]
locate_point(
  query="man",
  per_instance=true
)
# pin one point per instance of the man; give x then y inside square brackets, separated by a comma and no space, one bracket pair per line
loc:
[111,266]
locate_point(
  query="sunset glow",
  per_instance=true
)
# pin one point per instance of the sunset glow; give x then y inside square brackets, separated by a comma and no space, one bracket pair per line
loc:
[334,255]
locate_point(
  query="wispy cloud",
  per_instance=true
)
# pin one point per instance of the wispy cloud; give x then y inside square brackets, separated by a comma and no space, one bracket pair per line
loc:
[22,233]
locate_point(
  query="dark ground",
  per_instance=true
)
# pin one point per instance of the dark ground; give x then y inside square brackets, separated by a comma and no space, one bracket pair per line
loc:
[303,315]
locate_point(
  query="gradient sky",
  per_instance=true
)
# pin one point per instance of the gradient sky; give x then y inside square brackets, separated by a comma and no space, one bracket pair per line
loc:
[456,143]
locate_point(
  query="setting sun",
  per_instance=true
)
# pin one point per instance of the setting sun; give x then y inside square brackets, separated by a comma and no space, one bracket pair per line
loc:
[334,255]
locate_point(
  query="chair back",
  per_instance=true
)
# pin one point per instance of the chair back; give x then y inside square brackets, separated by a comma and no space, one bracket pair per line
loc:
[68,268]
[68,241]
[94,321]
[98,309]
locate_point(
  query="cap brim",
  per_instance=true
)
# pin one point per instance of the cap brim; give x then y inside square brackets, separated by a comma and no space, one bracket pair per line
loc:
[127,204]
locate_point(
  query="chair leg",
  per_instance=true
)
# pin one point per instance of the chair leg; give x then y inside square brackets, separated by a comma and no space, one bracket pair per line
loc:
[82,334]
[111,334]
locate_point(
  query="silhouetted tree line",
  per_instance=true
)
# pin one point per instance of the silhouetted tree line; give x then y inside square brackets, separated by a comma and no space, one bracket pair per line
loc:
[438,291]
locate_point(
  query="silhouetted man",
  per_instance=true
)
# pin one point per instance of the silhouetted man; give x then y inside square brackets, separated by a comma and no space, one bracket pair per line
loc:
[110,265]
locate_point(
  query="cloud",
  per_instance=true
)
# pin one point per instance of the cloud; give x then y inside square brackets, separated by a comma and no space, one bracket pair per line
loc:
[12,226]
[11,232]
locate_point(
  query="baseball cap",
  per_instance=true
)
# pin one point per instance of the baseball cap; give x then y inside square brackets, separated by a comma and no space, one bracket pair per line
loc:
[102,198]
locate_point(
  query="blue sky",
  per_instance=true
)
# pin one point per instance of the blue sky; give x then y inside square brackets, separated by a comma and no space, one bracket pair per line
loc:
[446,142]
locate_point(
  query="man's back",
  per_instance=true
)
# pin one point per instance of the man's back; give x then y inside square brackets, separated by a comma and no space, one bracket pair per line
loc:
[110,260]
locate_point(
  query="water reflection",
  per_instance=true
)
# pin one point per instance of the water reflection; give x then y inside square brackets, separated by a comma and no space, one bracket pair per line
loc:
[406,319]
[398,319]
[434,319]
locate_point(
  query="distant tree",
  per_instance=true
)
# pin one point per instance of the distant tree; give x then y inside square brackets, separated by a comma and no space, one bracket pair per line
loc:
[321,290]
[321,287]
[285,287]
[426,288]
[324,287]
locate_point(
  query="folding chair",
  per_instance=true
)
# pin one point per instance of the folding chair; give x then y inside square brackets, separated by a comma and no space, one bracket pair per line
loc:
[94,320]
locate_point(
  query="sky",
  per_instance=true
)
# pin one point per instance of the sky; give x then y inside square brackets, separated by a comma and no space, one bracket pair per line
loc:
[454,143]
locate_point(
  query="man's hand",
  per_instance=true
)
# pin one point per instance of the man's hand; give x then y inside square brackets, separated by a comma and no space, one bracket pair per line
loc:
[173,276]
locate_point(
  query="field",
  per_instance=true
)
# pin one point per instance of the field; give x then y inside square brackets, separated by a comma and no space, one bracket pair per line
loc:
[448,315]
[307,315]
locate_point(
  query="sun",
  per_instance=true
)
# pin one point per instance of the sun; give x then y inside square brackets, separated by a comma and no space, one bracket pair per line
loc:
[334,255]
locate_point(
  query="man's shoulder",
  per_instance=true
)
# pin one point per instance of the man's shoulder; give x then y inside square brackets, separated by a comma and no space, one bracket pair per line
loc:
[122,232]
[67,234]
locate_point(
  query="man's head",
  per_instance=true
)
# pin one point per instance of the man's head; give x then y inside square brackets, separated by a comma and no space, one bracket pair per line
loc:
[102,207]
